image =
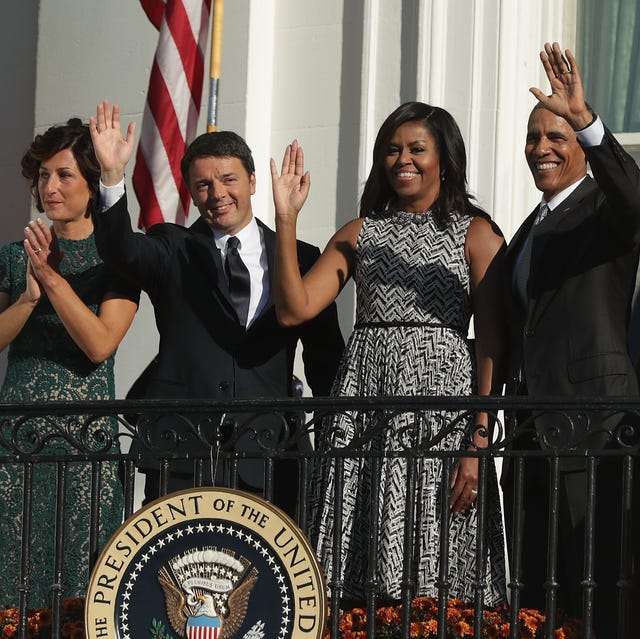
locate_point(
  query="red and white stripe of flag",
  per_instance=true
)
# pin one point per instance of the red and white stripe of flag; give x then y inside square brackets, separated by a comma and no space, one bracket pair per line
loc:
[202,632]
[171,112]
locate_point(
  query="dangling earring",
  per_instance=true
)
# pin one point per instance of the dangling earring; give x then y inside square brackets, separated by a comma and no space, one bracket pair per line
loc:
[442,175]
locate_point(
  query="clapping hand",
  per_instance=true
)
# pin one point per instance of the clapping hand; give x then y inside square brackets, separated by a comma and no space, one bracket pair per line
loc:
[44,255]
[112,149]
[291,187]
[567,94]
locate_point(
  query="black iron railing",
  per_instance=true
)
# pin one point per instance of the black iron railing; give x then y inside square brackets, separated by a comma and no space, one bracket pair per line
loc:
[213,439]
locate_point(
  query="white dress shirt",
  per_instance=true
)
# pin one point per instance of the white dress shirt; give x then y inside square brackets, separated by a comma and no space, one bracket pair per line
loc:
[254,255]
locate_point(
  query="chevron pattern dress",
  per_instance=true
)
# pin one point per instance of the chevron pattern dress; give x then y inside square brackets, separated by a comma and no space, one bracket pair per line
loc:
[410,338]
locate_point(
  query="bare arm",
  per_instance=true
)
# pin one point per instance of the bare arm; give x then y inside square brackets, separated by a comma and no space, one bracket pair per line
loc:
[14,316]
[484,249]
[98,335]
[300,299]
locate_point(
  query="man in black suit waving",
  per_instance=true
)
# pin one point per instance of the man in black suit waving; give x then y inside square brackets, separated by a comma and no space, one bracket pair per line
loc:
[211,289]
[571,269]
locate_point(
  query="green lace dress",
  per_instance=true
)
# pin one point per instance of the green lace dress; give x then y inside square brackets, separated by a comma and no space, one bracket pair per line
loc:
[44,363]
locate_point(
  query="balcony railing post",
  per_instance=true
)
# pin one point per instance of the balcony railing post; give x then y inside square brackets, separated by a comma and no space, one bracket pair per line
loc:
[59,538]
[94,515]
[371,586]
[25,551]
[481,546]
[443,582]
[588,583]
[336,560]
[551,585]
[626,546]
[407,585]
[515,583]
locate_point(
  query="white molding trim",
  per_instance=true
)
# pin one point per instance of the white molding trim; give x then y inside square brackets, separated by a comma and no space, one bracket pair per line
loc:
[368,101]
[259,109]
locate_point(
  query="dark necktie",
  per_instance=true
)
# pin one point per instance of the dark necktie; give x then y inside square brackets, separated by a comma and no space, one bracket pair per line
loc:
[523,262]
[239,280]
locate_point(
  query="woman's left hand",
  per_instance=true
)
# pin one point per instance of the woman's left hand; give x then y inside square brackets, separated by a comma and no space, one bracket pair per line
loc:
[464,484]
[44,253]
[291,187]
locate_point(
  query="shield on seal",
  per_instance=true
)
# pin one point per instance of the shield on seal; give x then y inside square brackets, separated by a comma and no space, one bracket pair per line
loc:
[203,627]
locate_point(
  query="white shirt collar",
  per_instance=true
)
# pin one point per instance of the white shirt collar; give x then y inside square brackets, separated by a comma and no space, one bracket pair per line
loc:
[249,237]
[563,195]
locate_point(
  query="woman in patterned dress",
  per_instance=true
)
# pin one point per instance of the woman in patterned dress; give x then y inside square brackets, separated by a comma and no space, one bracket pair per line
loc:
[424,260]
[62,315]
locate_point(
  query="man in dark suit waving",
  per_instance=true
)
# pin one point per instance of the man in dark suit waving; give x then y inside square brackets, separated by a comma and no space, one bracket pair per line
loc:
[571,269]
[211,289]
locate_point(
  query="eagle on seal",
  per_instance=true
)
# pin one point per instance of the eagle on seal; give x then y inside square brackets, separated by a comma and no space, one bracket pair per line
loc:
[205,589]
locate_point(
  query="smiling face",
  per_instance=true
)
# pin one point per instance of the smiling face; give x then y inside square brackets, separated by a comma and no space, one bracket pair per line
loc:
[412,166]
[221,188]
[555,158]
[63,191]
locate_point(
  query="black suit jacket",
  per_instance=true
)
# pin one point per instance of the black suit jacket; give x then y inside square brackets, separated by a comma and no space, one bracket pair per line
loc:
[570,338]
[204,352]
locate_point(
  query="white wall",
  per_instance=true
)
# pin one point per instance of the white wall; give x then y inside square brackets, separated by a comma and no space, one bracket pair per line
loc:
[325,72]
[87,51]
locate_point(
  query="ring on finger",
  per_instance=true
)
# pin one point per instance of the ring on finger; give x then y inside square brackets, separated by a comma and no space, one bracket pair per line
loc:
[474,491]
[36,251]
[565,72]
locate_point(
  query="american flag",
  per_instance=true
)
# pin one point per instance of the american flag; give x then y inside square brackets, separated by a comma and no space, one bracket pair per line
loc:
[171,112]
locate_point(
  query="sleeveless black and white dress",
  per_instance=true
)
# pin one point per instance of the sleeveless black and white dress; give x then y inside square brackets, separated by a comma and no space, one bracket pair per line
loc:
[410,338]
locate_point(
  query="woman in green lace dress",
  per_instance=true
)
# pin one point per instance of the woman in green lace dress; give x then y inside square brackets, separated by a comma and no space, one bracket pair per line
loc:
[62,315]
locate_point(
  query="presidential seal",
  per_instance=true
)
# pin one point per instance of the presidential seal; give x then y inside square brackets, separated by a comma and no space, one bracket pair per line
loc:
[207,563]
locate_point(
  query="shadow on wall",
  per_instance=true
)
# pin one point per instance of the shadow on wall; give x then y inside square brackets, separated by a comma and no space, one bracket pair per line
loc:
[18,44]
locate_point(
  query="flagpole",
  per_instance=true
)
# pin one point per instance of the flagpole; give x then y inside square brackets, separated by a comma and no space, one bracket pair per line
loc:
[214,66]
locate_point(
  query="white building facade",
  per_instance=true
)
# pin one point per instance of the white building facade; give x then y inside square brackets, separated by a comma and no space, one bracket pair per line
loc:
[326,73]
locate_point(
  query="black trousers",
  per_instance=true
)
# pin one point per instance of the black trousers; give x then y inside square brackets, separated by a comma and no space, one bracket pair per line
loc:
[571,538]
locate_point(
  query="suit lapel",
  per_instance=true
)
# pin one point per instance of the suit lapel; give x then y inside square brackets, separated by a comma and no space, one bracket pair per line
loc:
[517,242]
[544,253]
[203,251]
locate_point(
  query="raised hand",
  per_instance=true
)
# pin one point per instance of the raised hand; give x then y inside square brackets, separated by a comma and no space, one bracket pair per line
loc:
[291,187]
[567,94]
[112,149]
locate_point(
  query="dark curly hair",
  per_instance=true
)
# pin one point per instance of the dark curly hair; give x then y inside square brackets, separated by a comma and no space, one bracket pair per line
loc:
[378,194]
[73,135]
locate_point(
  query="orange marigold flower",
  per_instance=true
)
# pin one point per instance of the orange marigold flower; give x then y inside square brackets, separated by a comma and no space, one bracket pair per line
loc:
[12,614]
[462,629]
[8,631]
[387,615]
